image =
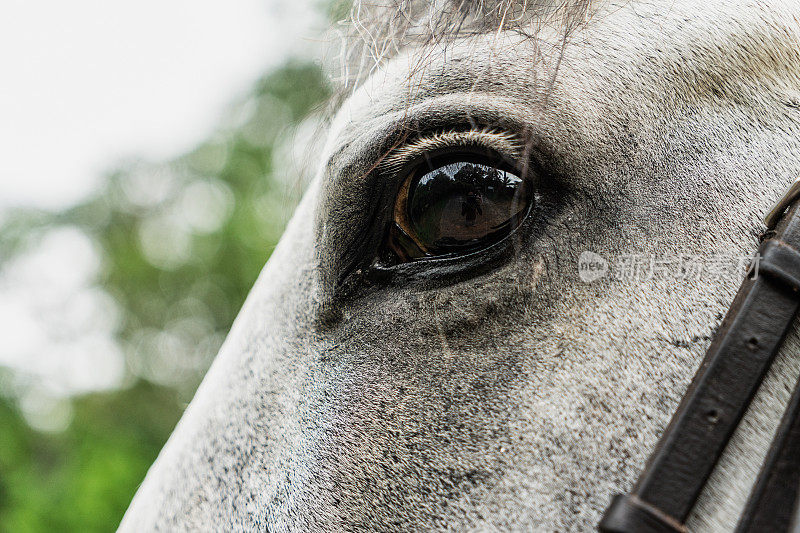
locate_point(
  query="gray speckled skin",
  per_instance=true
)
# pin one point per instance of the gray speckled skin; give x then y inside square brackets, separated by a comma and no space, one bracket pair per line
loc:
[517,398]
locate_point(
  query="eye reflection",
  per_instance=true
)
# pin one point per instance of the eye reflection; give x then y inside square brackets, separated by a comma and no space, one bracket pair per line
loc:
[456,206]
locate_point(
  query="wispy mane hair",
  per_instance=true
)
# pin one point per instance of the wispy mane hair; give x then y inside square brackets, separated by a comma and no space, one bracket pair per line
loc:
[375,32]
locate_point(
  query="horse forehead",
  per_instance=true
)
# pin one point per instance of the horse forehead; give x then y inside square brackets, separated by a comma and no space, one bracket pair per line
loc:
[695,50]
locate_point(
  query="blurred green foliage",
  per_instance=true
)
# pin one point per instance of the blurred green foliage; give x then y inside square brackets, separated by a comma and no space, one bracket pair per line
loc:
[82,479]
[181,243]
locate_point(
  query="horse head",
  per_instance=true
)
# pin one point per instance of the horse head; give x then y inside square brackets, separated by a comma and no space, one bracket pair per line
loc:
[524,231]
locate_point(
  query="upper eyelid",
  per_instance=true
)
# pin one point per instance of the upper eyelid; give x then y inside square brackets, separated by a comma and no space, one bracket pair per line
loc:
[503,143]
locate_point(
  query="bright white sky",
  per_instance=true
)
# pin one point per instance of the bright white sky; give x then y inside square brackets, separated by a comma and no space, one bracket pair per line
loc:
[84,83]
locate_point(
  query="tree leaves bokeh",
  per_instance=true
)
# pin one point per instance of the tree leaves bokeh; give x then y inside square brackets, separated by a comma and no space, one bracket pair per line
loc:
[180,242]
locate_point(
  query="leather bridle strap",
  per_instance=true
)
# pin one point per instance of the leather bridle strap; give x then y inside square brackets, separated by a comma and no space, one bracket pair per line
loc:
[742,351]
[773,502]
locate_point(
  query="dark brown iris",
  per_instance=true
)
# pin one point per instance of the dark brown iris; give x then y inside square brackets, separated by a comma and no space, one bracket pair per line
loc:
[456,206]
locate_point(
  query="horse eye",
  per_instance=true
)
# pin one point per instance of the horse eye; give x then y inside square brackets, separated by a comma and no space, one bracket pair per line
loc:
[456,205]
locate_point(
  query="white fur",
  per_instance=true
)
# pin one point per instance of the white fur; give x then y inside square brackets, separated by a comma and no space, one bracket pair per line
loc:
[523,398]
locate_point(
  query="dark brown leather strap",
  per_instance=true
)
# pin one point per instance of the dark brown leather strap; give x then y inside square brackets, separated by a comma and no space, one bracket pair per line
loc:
[731,372]
[772,503]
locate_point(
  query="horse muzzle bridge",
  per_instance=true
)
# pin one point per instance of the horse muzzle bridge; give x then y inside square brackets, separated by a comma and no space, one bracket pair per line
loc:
[735,364]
